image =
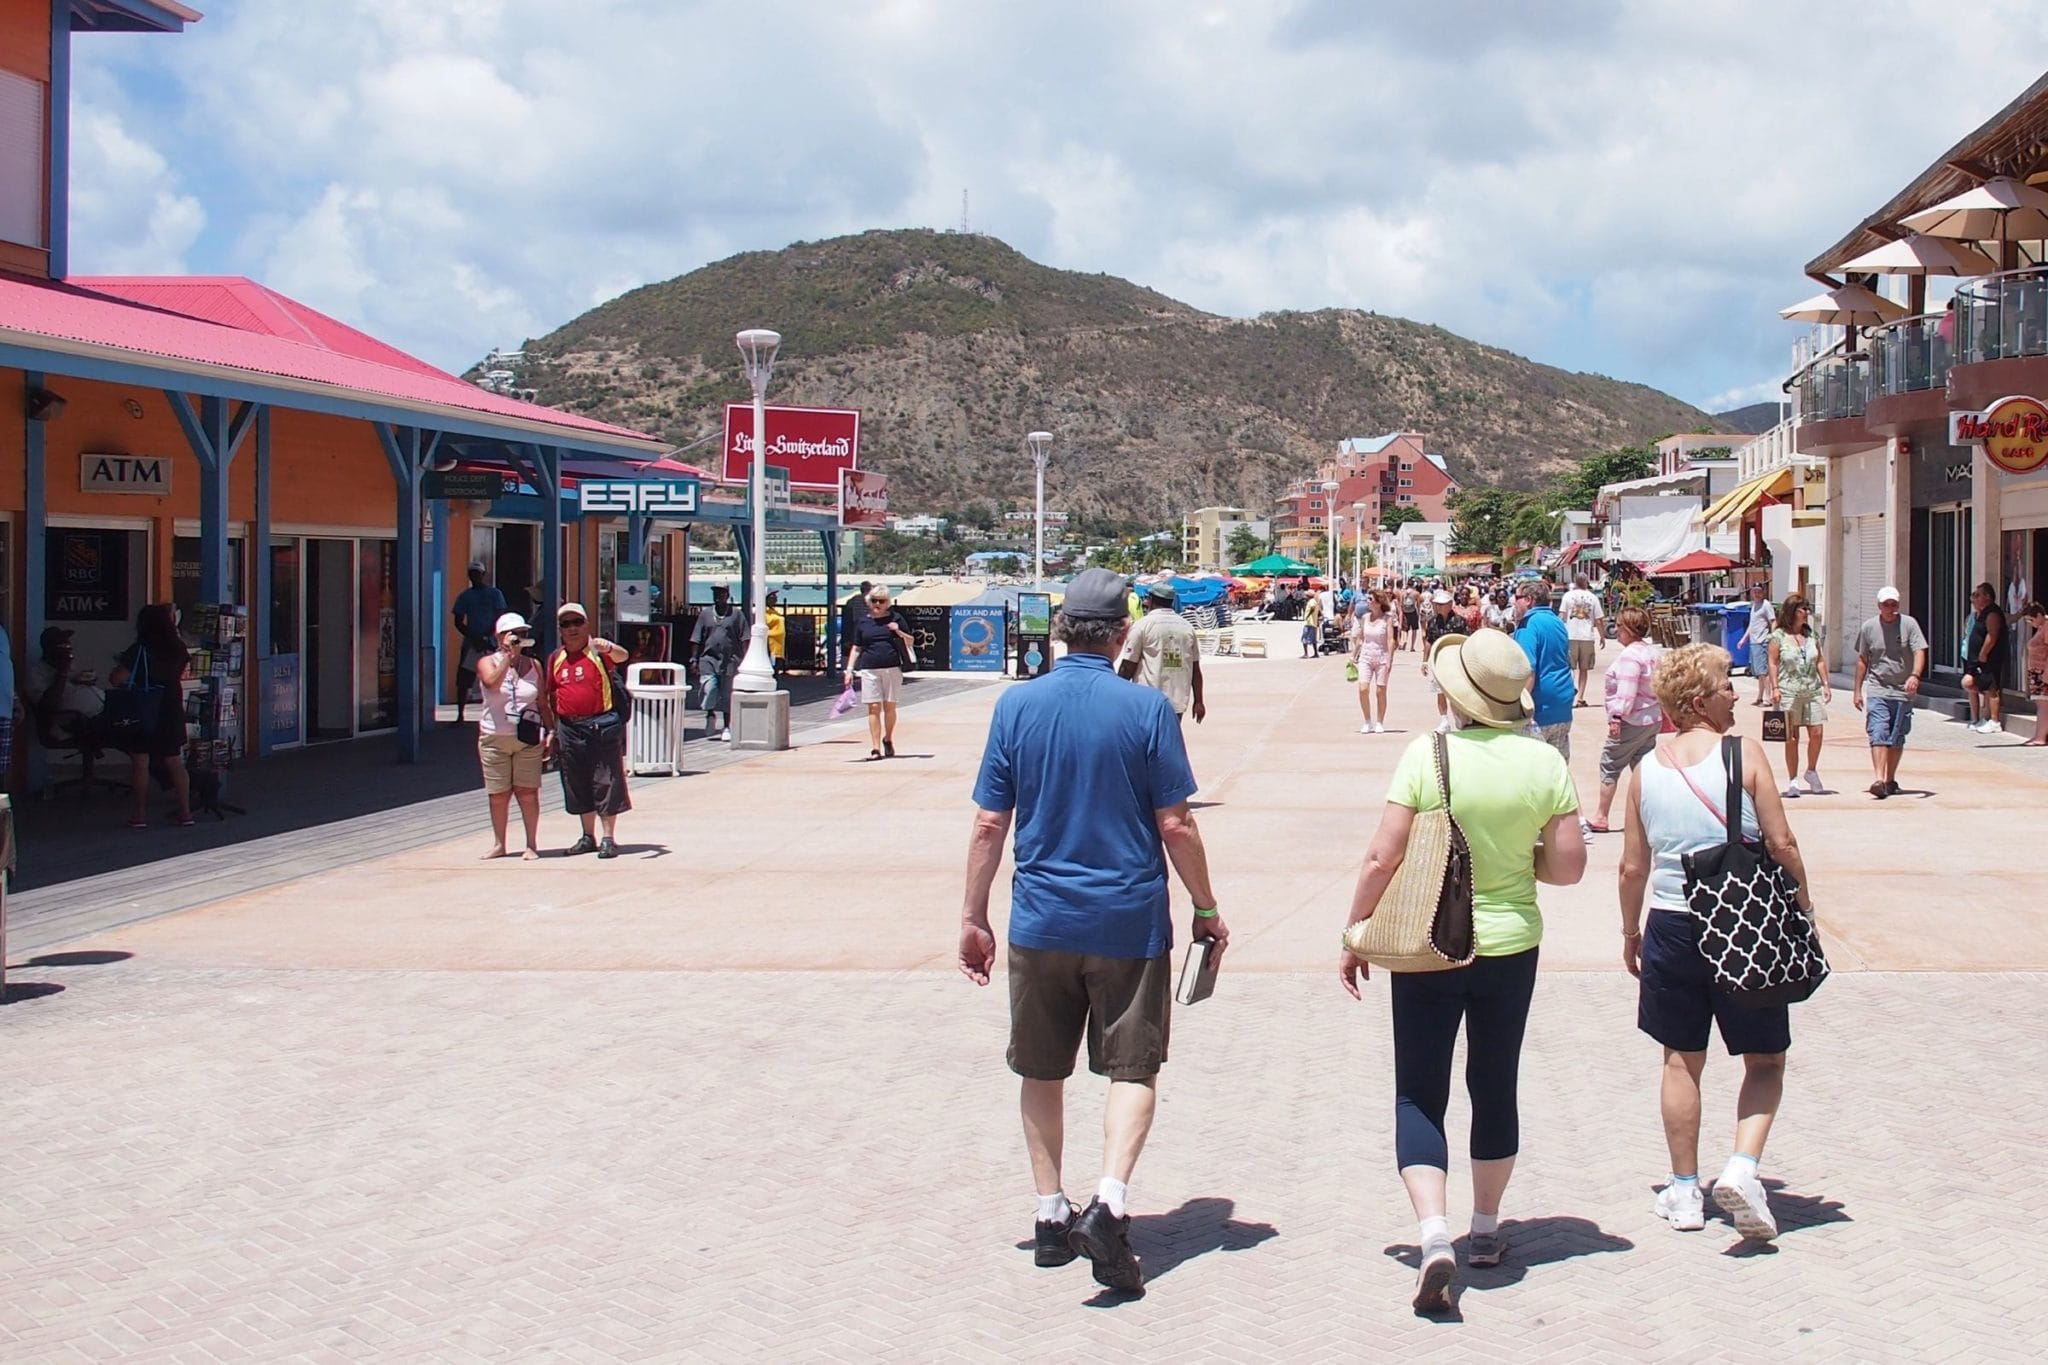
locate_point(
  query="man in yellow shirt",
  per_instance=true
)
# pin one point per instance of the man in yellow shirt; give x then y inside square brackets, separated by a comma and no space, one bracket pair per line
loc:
[778,630]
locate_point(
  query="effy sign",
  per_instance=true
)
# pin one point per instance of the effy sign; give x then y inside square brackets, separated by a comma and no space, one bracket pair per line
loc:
[863,498]
[813,444]
[2013,432]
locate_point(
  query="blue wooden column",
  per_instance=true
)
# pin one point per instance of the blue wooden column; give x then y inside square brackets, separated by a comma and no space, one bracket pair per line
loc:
[34,535]
[638,525]
[215,435]
[831,539]
[256,699]
[437,597]
[549,459]
[407,450]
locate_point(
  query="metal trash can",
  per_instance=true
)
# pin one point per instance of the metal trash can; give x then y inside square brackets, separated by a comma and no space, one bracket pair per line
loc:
[654,737]
[1707,623]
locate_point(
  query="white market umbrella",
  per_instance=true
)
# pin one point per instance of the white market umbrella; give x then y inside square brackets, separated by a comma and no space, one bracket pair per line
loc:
[2001,210]
[1848,305]
[1922,255]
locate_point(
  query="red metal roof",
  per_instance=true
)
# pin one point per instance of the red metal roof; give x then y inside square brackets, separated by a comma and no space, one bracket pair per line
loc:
[209,325]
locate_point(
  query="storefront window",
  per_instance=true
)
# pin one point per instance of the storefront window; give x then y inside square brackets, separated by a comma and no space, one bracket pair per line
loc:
[377,636]
[284,596]
[185,573]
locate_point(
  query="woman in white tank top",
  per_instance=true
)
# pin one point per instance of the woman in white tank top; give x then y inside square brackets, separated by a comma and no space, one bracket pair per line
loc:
[1676,802]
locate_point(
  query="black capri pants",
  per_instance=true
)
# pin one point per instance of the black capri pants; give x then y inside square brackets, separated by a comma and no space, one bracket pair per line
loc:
[1491,997]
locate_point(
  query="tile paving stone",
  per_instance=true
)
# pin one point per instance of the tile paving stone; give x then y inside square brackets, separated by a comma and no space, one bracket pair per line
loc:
[681,1173]
[716,1108]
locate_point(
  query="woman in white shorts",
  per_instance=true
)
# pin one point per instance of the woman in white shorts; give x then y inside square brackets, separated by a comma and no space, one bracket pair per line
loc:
[1375,636]
[877,646]
[1800,684]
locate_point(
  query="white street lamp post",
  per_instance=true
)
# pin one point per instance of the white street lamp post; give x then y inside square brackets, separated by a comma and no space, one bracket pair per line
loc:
[1336,532]
[757,353]
[1040,443]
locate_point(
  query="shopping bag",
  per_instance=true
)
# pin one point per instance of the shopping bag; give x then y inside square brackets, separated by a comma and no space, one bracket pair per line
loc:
[1774,726]
[848,699]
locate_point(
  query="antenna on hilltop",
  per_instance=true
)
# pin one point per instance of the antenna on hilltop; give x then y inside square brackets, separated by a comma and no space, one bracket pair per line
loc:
[963,212]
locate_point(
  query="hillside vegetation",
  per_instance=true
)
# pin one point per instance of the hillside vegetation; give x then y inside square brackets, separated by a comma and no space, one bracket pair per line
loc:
[953,345]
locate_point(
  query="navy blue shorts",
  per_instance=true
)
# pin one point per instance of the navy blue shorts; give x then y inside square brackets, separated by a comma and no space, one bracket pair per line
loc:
[1678,999]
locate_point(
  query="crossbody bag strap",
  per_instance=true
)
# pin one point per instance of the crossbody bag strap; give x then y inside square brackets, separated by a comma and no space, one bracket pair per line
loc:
[1441,746]
[1705,800]
[1731,759]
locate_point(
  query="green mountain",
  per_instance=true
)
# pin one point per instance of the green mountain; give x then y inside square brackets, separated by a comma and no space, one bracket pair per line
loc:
[953,345]
[1754,420]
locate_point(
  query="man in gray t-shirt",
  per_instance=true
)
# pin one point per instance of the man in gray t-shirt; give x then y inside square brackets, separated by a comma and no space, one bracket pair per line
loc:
[1891,657]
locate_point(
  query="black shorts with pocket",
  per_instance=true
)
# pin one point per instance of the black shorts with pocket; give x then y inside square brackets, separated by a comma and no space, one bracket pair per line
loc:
[1677,1002]
[1121,1005]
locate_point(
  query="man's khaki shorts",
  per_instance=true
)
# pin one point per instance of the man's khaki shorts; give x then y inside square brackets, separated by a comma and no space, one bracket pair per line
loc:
[508,763]
[1121,1005]
[1582,653]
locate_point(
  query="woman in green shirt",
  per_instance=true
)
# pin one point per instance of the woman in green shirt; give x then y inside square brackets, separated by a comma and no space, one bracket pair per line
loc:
[1513,798]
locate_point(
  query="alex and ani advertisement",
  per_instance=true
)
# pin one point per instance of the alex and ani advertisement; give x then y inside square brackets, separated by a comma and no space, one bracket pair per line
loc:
[977,636]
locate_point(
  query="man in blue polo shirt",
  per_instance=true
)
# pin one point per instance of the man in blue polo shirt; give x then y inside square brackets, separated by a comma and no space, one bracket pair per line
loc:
[1544,639]
[1093,772]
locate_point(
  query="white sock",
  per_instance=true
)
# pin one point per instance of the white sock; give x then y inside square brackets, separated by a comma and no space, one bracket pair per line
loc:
[1485,1224]
[1053,1208]
[1434,1231]
[1112,1192]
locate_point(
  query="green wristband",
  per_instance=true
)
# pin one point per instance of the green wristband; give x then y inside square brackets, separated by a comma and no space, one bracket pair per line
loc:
[1210,913]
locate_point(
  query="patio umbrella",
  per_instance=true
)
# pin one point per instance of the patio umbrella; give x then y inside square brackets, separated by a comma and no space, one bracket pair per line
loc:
[1275,565]
[1699,561]
[2001,210]
[1922,255]
[1849,305]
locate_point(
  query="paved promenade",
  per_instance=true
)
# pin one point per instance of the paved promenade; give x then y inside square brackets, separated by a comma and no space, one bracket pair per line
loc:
[726,1098]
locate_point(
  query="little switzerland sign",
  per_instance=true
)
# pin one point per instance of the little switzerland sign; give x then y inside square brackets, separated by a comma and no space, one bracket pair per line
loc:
[813,444]
[2013,432]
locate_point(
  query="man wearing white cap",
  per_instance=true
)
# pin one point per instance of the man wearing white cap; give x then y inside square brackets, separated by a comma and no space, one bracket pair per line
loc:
[1440,622]
[1891,656]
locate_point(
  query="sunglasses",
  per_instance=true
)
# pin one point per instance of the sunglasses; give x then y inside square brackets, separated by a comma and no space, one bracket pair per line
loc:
[570,621]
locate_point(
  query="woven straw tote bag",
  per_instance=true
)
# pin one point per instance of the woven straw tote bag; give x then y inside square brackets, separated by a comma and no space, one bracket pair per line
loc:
[1424,921]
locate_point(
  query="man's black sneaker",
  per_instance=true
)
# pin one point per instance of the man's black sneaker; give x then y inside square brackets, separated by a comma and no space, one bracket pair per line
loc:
[607,849]
[1051,1247]
[1892,788]
[1105,1240]
[586,844]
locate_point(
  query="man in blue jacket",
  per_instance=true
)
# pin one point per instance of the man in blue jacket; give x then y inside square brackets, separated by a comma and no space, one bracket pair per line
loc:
[1544,639]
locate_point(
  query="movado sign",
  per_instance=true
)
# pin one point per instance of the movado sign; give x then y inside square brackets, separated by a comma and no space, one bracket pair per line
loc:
[149,475]
[813,444]
[664,497]
[2013,432]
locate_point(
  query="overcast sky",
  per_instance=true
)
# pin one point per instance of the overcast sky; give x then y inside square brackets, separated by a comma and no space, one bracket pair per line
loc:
[1629,188]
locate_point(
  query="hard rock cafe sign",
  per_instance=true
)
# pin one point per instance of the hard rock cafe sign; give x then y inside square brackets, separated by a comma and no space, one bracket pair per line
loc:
[2013,432]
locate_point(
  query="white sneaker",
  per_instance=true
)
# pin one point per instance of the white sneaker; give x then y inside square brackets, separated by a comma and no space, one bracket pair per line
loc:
[1812,780]
[1378,728]
[1434,1280]
[1365,729]
[727,736]
[1742,1197]
[1686,1212]
[1990,727]
[1791,790]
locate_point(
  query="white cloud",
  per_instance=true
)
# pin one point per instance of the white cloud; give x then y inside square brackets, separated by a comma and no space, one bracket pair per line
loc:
[1623,187]
[128,213]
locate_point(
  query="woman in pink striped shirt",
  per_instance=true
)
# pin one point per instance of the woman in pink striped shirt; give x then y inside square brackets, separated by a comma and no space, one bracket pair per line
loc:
[1633,715]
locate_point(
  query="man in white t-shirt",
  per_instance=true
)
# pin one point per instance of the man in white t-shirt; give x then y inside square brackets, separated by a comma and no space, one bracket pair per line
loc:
[1584,628]
[1162,654]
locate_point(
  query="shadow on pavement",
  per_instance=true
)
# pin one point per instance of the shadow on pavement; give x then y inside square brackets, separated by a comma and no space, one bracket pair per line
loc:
[1794,1212]
[1530,1242]
[18,991]
[1164,1241]
[84,959]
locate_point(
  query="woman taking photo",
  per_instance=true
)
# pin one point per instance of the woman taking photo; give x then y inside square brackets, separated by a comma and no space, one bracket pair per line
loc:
[155,666]
[1675,807]
[1633,714]
[1373,651]
[510,730]
[877,647]
[1513,798]
[1801,686]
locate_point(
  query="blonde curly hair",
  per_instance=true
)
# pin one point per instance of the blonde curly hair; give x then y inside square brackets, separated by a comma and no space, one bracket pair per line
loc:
[1685,677]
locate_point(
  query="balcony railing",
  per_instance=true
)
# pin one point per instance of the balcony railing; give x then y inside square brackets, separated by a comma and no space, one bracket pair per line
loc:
[2002,316]
[1832,387]
[1913,354]
[1774,449]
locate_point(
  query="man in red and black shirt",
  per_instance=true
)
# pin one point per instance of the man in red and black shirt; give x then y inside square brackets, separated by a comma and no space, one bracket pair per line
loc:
[590,734]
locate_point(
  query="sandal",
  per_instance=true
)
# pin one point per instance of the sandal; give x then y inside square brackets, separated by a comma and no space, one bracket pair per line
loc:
[874,756]
[888,748]
[138,824]
[1592,828]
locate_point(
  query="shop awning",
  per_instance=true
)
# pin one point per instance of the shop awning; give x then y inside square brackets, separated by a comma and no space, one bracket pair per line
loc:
[1732,507]
[1684,481]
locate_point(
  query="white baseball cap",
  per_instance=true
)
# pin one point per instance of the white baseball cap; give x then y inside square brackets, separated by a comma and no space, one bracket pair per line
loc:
[1887,594]
[1439,596]
[511,620]
[571,609]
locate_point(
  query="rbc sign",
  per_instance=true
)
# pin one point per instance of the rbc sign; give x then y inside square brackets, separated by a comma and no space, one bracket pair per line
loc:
[663,498]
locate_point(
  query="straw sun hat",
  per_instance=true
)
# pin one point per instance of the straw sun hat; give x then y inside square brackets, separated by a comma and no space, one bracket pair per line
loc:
[1486,676]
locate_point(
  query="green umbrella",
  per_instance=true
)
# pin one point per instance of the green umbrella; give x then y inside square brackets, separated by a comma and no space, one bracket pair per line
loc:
[1276,566]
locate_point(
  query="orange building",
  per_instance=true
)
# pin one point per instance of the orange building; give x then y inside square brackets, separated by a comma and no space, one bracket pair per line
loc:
[209,441]
[1372,475]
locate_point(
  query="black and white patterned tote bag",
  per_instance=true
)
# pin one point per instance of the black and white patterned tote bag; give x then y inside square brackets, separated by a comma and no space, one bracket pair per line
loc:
[1764,950]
